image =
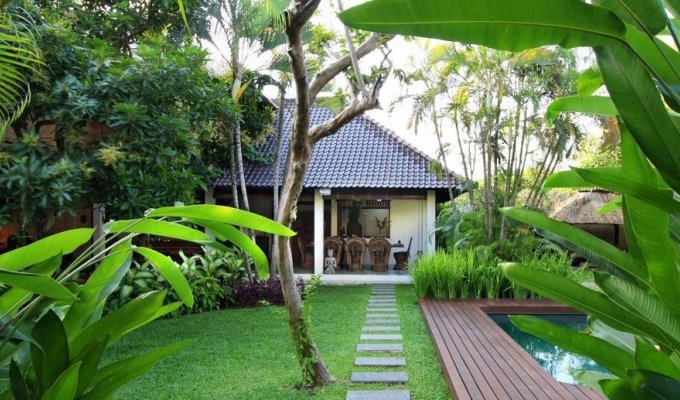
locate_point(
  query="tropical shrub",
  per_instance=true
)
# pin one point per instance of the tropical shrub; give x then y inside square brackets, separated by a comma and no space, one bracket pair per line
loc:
[54,330]
[634,312]
[254,293]
[476,273]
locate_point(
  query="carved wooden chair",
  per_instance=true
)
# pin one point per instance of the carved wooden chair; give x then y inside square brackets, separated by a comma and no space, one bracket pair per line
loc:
[306,256]
[355,248]
[380,253]
[336,244]
[401,257]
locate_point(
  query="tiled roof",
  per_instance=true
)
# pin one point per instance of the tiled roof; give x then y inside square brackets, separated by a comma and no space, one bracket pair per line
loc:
[363,154]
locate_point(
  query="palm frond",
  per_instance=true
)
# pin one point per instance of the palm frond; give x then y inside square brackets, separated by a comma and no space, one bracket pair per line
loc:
[19,54]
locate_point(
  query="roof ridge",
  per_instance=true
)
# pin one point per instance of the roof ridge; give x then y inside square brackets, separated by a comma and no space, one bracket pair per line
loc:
[404,142]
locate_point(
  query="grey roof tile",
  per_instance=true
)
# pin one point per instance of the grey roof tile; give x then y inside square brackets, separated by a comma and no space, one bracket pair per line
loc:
[363,154]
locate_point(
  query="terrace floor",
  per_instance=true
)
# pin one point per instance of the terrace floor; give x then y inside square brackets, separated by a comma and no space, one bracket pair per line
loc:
[481,361]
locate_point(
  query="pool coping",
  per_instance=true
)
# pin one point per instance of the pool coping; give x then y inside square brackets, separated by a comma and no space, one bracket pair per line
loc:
[481,361]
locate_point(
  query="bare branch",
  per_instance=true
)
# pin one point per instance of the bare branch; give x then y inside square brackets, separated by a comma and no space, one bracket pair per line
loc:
[331,71]
[356,107]
[353,57]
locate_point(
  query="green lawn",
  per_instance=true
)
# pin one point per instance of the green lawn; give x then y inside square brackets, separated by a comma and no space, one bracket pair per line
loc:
[247,354]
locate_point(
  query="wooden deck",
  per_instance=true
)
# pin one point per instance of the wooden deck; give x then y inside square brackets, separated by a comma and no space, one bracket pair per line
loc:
[481,361]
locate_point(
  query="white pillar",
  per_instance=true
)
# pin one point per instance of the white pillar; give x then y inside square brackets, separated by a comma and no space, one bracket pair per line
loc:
[430,216]
[210,196]
[334,217]
[318,233]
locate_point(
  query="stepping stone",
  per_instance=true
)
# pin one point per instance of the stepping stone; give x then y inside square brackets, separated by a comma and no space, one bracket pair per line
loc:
[380,347]
[379,336]
[381,328]
[378,316]
[380,362]
[381,321]
[378,309]
[379,377]
[381,301]
[378,395]
[385,304]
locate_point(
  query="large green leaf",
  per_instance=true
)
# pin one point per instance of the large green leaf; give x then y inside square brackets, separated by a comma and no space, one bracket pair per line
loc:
[598,105]
[117,323]
[575,235]
[588,82]
[36,283]
[15,297]
[638,302]
[650,358]
[620,181]
[157,228]
[618,389]
[18,385]
[662,60]
[565,179]
[648,15]
[506,25]
[650,385]
[602,352]
[50,352]
[89,359]
[623,340]
[227,215]
[227,232]
[92,295]
[169,270]
[110,378]
[65,386]
[589,301]
[44,249]
[641,107]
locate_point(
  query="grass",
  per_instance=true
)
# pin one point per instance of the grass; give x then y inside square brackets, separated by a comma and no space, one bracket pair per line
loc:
[247,354]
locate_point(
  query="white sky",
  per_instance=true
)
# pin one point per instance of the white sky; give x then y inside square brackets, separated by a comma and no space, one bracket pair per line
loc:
[401,56]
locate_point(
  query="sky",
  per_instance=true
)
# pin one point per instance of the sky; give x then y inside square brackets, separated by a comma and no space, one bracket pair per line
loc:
[393,116]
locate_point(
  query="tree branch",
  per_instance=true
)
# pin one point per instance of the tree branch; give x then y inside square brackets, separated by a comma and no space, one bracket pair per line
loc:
[324,76]
[356,107]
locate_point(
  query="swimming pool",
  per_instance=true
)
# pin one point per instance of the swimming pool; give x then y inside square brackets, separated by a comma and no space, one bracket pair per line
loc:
[561,364]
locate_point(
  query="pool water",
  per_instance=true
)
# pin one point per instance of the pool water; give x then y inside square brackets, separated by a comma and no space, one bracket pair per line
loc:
[560,363]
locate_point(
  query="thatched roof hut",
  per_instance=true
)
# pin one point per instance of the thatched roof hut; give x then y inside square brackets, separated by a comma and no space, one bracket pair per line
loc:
[582,208]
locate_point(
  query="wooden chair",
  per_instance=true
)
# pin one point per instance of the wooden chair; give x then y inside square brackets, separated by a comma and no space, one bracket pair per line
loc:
[306,257]
[401,257]
[380,253]
[355,248]
[334,243]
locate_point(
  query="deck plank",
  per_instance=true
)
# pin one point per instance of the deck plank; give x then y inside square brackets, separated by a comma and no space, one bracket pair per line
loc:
[481,361]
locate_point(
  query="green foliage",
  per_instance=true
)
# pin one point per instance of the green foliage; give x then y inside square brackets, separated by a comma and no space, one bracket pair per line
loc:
[636,296]
[37,185]
[55,331]
[20,54]
[212,276]
[130,133]
[476,273]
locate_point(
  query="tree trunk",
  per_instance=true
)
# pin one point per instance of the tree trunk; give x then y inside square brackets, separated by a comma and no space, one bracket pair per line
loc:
[449,180]
[464,161]
[314,370]
[303,138]
[273,267]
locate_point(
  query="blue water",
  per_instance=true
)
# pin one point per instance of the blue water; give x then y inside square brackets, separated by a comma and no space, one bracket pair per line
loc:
[560,363]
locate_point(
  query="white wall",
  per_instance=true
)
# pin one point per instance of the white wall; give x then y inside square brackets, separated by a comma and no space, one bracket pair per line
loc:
[408,220]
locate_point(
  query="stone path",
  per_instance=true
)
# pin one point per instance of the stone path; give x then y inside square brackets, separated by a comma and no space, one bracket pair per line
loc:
[381,334]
